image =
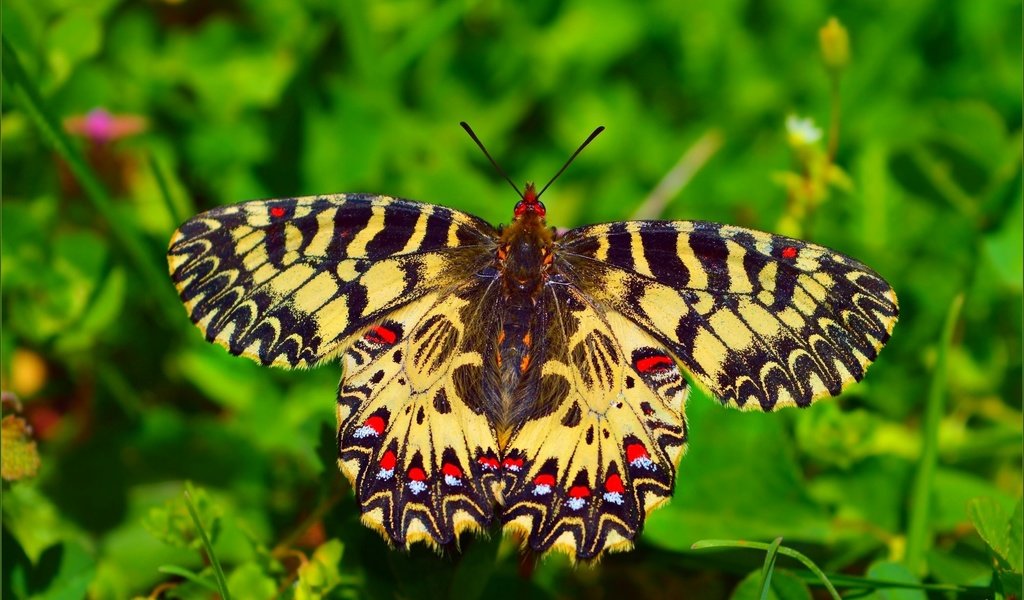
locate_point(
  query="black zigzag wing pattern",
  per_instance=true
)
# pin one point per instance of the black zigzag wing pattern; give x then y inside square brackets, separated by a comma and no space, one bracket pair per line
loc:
[760,320]
[582,477]
[286,281]
[414,442]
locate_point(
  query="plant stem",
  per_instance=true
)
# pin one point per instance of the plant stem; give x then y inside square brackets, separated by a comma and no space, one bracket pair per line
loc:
[918,531]
[207,545]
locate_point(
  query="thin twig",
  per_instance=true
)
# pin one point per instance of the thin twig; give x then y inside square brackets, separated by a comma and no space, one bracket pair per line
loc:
[692,161]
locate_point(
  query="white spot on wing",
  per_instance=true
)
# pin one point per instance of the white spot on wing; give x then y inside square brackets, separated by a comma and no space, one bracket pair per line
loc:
[365,431]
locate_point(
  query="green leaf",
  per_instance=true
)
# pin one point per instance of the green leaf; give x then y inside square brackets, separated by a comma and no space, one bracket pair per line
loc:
[1014,550]
[74,37]
[321,573]
[895,572]
[726,449]
[1002,247]
[32,519]
[784,586]
[173,524]
[992,523]
[224,379]
[64,572]
[953,490]
[198,579]
[250,582]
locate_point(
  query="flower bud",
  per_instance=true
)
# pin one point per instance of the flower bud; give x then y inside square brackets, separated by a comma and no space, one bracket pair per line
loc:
[835,45]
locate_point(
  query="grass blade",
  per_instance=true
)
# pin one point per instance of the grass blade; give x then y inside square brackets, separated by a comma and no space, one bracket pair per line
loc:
[189,575]
[769,567]
[222,583]
[704,544]
[177,212]
[688,165]
[918,533]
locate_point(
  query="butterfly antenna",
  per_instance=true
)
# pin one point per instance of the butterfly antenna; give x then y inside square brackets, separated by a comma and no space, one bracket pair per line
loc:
[574,154]
[469,130]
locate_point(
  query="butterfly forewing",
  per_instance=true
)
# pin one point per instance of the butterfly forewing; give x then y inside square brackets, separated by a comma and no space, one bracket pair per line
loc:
[760,320]
[285,282]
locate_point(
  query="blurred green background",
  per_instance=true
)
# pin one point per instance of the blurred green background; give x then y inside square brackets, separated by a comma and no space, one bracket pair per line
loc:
[178,106]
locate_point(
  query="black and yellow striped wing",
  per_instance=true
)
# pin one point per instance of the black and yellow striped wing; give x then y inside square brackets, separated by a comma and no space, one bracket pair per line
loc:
[760,320]
[286,282]
[601,451]
[413,439]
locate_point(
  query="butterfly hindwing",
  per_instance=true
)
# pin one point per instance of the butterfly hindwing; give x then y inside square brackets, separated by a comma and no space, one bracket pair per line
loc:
[590,470]
[413,440]
[760,320]
[284,282]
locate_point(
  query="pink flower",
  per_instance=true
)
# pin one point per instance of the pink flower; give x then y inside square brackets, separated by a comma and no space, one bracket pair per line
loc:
[101,126]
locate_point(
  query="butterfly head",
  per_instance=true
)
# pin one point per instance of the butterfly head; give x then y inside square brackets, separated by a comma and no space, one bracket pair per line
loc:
[530,204]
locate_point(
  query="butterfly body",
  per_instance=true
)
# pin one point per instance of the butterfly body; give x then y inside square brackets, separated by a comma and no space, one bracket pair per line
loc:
[522,268]
[515,376]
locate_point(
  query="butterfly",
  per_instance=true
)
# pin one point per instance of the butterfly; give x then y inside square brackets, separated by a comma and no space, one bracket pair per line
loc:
[519,375]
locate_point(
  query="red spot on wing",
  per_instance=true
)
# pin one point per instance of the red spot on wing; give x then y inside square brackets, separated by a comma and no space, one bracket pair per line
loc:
[579,491]
[381,335]
[488,462]
[544,479]
[387,462]
[653,363]
[789,252]
[512,463]
[417,474]
[614,484]
[376,423]
[277,211]
[450,469]
[636,451]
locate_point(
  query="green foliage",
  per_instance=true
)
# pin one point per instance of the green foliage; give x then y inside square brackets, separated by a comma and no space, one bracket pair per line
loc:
[892,133]
[783,586]
[1002,535]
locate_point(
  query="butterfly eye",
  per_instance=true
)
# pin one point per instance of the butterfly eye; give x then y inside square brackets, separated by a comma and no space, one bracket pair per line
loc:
[529,205]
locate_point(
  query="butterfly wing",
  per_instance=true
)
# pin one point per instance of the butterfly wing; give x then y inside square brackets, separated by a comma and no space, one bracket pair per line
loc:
[413,437]
[760,320]
[285,282]
[603,451]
